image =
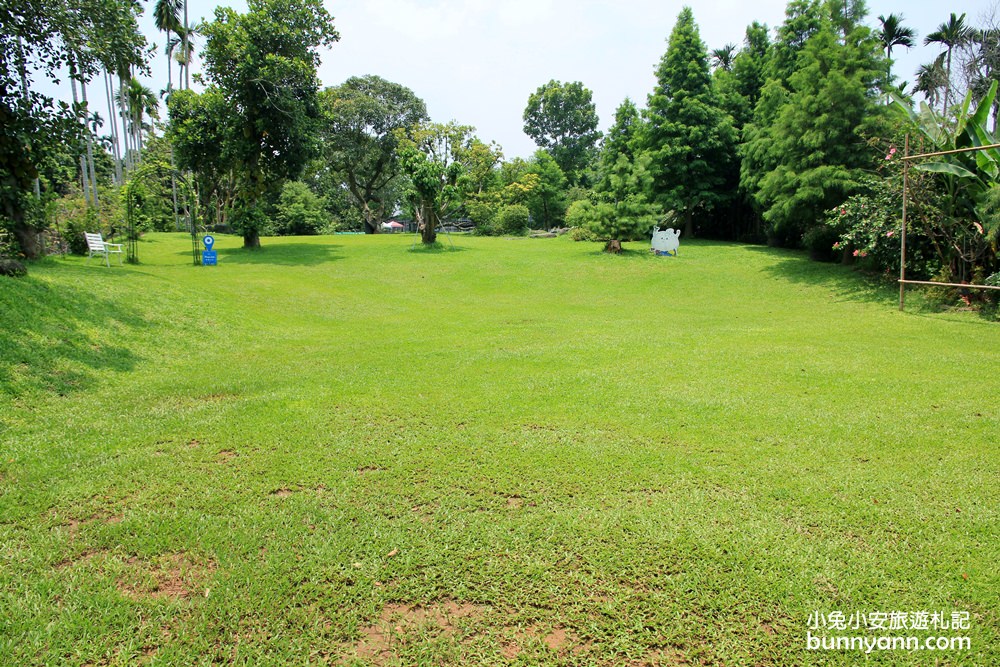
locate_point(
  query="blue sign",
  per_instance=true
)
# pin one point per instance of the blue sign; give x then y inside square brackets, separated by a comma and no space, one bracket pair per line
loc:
[209,241]
[209,258]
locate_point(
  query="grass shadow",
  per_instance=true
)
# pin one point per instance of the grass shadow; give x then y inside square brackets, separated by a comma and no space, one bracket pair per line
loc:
[282,254]
[53,339]
[435,248]
[847,283]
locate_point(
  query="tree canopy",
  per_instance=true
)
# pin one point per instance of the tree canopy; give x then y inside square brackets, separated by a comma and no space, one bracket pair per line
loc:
[263,63]
[562,118]
[361,118]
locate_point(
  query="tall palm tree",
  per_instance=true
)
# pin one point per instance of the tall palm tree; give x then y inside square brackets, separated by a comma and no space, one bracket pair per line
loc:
[894,33]
[931,79]
[140,102]
[185,53]
[952,34]
[166,17]
[724,57]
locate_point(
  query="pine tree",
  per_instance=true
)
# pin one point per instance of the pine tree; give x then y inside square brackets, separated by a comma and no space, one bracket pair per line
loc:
[690,139]
[816,141]
[621,139]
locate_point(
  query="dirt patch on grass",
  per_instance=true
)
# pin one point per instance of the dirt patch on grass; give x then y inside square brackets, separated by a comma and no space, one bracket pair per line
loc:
[364,470]
[282,492]
[557,639]
[398,622]
[170,576]
[225,456]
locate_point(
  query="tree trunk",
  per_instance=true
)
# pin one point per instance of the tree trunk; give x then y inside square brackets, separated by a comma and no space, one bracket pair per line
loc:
[84,172]
[109,88]
[90,146]
[27,237]
[688,224]
[428,235]
[614,246]
[251,239]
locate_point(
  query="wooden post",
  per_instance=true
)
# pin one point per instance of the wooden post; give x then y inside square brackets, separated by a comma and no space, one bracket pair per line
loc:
[902,235]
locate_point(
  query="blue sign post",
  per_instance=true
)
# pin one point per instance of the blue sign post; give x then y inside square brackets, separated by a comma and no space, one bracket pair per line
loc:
[208,256]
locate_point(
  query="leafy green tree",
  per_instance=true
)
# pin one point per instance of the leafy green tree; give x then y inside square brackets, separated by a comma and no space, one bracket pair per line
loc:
[966,233]
[299,211]
[36,40]
[561,118]
[955,33]
[508,184]
[430,155]
[360,120]
[547,200]
[202,132]
[263,63]
[817,141]
[689,137]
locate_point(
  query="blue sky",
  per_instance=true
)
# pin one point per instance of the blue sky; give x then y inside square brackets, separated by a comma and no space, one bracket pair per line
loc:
[477,61]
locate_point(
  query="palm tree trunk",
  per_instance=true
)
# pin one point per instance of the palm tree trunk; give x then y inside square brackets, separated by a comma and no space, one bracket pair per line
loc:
[83,159]
[109,91]
[90,146]
[947,85]
[187,50]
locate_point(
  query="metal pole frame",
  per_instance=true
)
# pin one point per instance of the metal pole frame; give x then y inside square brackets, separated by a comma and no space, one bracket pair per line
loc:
[907,158]
[132,237]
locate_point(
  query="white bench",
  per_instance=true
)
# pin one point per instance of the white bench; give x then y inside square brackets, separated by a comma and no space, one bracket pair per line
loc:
[96,245]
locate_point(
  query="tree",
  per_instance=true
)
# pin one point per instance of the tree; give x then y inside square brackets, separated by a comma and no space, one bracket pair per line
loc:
[202,132]
[561,118]
[547,200]
[141,103]
[932,79]
[893,33]
[816,142]
[36,40]
[803,19]
[430,156]
[263,63]
[690,139]
[950,35]
[622,211]
[623,137]
[360,121]
[299,211]
[166,18]
[723,58]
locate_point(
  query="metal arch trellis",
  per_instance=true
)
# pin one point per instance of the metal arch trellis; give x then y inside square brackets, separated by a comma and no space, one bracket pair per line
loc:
[190,198]
[907,159]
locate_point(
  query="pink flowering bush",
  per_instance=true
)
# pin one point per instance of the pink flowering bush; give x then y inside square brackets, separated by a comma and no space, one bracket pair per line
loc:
[868,228]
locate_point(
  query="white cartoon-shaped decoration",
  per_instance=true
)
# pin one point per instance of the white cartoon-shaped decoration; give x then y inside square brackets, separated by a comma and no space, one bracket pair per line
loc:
[666,241]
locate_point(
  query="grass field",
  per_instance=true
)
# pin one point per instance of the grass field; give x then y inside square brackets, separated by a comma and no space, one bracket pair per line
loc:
[341,450]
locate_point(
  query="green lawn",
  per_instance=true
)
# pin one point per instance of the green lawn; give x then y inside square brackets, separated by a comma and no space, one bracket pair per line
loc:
[341,450]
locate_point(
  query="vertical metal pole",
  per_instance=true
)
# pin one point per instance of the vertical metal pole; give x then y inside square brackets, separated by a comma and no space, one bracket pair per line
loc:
[902,236]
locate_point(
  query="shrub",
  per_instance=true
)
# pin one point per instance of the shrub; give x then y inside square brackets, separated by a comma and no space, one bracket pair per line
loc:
[300,211]
[583,234]
[512,219]
[820,240]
